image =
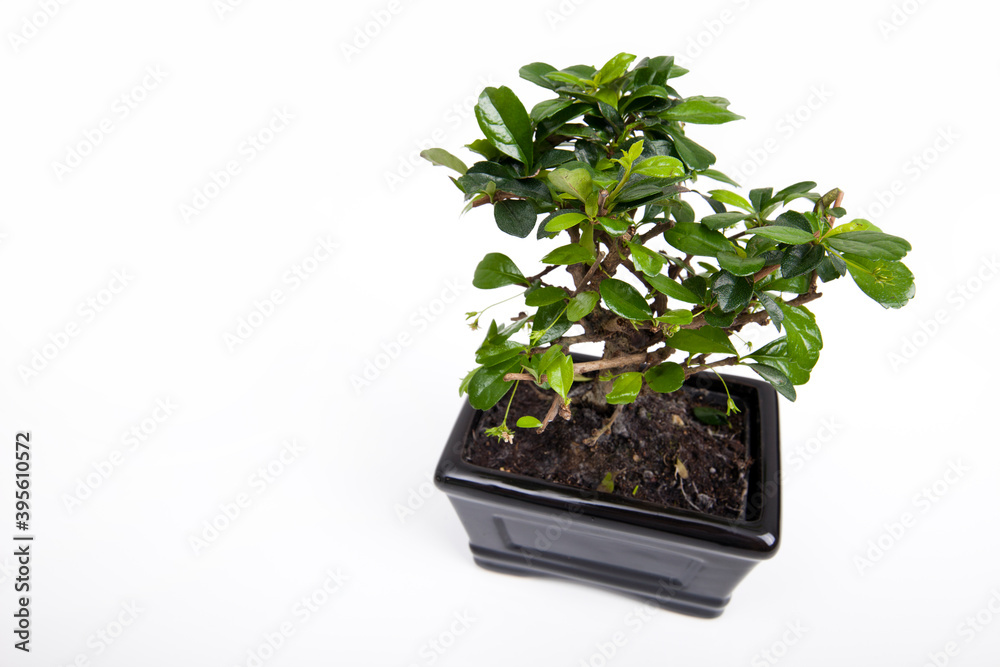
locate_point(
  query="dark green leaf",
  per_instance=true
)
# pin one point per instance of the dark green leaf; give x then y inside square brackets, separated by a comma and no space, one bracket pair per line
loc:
[717,175]
[695,156]
[625,388]
[615,226]
[772,308]
[491,355]
[801,260]
[624,300]
[552,321]
[717,318]
[487,386]
[535,73]
[710,416]
[497,270]
[515,217]
[760,198]
[704,340]
[776,354]
[733,292]
[831,268]
[666,377]
[677,316]
[795,220]
[505,123]
[776,378]
[798,188]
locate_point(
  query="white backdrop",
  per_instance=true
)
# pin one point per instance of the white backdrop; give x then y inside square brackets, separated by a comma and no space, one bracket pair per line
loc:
[212,218]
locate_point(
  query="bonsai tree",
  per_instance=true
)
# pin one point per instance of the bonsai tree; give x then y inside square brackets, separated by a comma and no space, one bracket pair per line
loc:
[608,166]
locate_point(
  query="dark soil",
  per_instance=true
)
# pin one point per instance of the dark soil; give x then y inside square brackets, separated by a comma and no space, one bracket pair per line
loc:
[641,450]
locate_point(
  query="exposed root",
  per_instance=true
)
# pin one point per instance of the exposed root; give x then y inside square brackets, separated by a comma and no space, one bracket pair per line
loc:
[605,428]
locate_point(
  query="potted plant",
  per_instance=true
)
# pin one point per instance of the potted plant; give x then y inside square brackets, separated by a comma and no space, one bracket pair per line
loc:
[643,470]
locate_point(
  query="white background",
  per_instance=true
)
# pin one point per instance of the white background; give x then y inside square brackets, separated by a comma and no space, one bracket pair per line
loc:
[846,94]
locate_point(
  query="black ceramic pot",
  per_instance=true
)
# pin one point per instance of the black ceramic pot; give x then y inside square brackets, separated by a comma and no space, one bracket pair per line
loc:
[677,558]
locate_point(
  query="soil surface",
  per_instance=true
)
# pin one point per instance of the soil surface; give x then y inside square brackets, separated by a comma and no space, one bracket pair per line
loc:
[641,450]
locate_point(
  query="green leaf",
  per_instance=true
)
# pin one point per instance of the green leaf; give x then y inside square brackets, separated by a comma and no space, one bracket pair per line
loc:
[660,166]
[549,323]
[676,316]
[760,198]
[673,289]
[463,389]
[505,123]
[870,245]
[801,260]
[695,156]
[776,354]
[831,268]
[740,266]
[581,305]
[704,340]
[491,355]
[888,283]
[784,234]
[535,73]
[624,300]
[560,375]
[569,254]
[699,111]
[717,175]
[440,156]
[776,379]
[614,226]
[576,182]
[731,198]
[571,79]
[797,189]
[543,296]
[515,217]
[647,261]
[665,377]
[614,68]
[858,225]
[733,292]
[804,338]
[497,270]
[723,220]
[625,388]
[696,239]
[710,416]
[548,108]
[487,386]
[772,308]
[528,422]
[564,221]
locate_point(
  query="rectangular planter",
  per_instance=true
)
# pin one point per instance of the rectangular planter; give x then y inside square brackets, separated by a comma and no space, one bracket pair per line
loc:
[679,559]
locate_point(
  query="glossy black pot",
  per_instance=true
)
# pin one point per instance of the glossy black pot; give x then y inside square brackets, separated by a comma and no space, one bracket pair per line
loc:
[677,558]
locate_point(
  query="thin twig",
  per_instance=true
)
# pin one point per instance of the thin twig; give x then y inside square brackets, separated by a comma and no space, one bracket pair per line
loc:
[551,414]
[587,366]
[605,427]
